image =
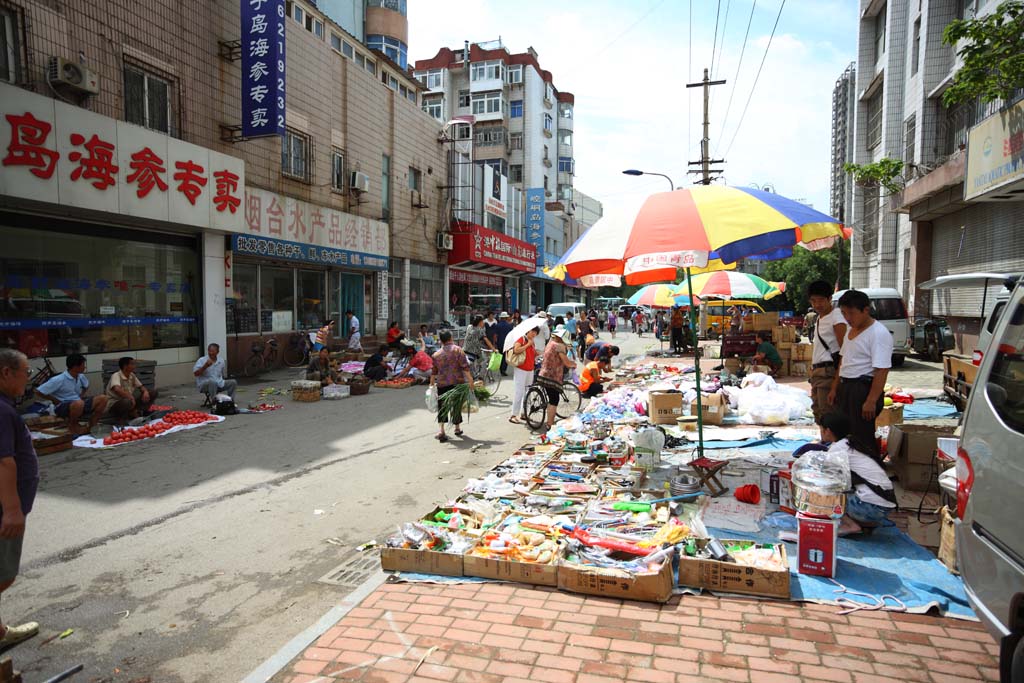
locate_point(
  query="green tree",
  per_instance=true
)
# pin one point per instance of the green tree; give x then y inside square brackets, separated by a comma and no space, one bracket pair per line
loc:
[993,55]
[800,270]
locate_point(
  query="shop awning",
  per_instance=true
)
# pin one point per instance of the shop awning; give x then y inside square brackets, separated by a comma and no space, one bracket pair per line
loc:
[478,249]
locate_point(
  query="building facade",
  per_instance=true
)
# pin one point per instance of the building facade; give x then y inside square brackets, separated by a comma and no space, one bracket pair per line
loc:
[844,107]
[943,221]
[139,219]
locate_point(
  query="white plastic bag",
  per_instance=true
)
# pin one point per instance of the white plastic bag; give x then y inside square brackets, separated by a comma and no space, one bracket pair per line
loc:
[431,398]
[824,472]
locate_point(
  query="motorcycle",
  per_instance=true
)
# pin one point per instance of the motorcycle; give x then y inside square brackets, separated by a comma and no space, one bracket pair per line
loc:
[931,337]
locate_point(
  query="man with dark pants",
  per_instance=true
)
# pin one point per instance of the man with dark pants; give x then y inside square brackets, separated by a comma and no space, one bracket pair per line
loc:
[19,478]
[501,331]
[827,337]
[451,368]
[864,365]
[125,394]
[67,393]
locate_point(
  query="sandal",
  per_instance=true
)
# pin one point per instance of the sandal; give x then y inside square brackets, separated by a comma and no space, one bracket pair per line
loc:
[459,432]
[515,420]
[441,437]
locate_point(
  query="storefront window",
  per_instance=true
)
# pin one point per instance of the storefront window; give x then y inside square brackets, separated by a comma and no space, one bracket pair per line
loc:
[474,294]
[277,299]
[312,299]
[426,293]
[65,292]
[242,308]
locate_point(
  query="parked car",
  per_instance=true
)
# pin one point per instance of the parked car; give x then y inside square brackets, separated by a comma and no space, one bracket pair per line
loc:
[555,310]
[888,308]
[990,476]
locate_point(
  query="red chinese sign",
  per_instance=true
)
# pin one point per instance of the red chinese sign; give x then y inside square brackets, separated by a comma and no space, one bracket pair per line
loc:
[480,245]
[97,164]
[27,145]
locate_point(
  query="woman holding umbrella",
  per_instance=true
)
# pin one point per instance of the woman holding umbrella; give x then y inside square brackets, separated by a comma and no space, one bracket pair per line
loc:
[522,354]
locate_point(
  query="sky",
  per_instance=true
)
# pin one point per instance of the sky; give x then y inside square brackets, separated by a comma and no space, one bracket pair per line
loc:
[627,63]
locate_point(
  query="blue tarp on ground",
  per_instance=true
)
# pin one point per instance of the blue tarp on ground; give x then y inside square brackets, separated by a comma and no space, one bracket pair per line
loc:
[887,562]
[929,409]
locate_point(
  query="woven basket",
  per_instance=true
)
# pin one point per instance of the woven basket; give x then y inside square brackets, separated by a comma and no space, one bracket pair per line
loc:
[359,387]
[307,391]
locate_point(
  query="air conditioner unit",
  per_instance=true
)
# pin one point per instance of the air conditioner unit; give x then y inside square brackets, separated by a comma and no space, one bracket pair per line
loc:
[74,76]
[445,242]
[360,182]
[417,200]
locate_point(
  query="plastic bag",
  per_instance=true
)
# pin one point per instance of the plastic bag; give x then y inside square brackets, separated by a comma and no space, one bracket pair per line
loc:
[431,398]
[825,472]
[472,404]
[494,364]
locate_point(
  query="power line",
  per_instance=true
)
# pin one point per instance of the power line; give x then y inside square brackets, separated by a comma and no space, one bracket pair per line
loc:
[632,26]
[721,48]
[714,42]
[735,79]
[756,78]
[689,77]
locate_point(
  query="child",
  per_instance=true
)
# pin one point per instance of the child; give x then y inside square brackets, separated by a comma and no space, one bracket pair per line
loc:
[767,354]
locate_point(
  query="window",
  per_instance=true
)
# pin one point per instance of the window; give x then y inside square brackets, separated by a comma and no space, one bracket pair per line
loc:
[565,193]
[312,299]
[463,132]
[874,107]
[348,50]
[545,184]
[434,107]
[879,35]
[515,140]
[394,49]
[317,28]
[515,109]
[487,103]
[869,229]
[549,92]
[298,14]
[385,187]
[915,51]
[412,95]
[545,153]
[491,135]
[463,98]
[243,302]
[966,9]
[415,179]
[483,71]
[426,293]
[295,154]
[277,299]
[565,137]
[1004,386]
[549,123]
[338,180]
[515,73]
[392,82]
[565,111]
[433,79]
[565,165]
[360,60]
[909,139]
[403,91]
[9,48]
[888,309]
[147,99]
[515,173]
[371,66]
[336,42]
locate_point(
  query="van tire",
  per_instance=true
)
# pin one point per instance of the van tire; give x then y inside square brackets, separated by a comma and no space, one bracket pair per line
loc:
[897,361]
[1015,671]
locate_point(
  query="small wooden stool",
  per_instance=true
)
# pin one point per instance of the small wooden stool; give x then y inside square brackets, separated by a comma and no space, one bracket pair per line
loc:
[707,472]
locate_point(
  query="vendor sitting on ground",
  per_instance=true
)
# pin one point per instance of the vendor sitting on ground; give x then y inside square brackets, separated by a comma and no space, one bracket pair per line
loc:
[319,369]
[601,351]
[375,368]
[395,335]
[416,364]
[126,396]
[767,354]
[428,340]
[68,391]
[873,497]
[592,378]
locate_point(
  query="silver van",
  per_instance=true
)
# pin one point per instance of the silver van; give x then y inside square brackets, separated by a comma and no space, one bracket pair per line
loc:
[555,310]
[990,478]
[888,308]
[975,280]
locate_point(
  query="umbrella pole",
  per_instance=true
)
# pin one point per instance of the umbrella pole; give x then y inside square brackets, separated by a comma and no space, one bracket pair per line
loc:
[696,361]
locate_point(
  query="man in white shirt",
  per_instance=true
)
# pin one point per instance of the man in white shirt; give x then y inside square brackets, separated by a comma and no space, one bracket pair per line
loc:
[211,374]
[827,337]
[873,497]
[353,332]
[866,357]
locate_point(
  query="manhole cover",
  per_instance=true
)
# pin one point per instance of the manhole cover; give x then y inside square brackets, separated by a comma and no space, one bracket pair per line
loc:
[353,571]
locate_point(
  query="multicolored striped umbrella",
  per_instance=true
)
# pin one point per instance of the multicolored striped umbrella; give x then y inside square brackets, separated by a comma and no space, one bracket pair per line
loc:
[660,296]
[732,285]
[687,228]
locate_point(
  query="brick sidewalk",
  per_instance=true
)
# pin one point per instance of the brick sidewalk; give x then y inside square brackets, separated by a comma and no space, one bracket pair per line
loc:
[502,632]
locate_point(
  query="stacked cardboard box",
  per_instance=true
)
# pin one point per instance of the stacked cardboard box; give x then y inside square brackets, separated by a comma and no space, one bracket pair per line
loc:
[912,451]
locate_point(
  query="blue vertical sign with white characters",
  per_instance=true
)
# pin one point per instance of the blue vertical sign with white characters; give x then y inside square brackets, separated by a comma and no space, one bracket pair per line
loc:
[534,219]
[263,58]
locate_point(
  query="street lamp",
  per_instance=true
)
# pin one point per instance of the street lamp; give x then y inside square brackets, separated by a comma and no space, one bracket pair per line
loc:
[633,171]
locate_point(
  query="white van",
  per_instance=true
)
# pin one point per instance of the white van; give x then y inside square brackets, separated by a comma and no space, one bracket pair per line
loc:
[888,308]
[985,280]
[555,310]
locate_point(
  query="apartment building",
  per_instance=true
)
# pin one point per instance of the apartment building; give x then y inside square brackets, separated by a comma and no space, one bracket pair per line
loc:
[948,218]
[844,107]
[140,214]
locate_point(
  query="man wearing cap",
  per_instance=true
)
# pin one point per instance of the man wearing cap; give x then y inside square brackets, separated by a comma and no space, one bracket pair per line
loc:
[501,330]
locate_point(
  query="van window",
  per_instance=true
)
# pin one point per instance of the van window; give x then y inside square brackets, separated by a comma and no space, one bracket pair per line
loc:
[888,309]
[993,317]
[1005,384]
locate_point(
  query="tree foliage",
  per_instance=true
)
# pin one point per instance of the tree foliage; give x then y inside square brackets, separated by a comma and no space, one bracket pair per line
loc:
[883,173]
[993,55]
[800,270]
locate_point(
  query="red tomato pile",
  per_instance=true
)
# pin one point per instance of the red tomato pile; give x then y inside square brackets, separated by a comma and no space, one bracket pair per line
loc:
[136,434]
[187,417]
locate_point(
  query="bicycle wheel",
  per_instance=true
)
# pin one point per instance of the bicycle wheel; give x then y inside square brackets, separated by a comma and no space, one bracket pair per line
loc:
[571,401]
[295,355]
[536,407]
[253,366]
[271,360]
[493,380]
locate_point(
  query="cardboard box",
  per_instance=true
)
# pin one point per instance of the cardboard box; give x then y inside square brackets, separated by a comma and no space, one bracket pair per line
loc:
[783,333]
[947,540]
[915,444]
[713,407]
[784,345]
[664,407]
[729,577]
[611,583]
[890,415]
[760,322]
[801,352]
[914,477]
[421,562]
[506,570]
[816,545]
[799,368]
[786,502]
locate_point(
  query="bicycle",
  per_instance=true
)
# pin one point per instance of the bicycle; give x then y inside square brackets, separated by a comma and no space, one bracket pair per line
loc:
[264,357]
[481,370]
[35,381]
[535,405]
[299,349]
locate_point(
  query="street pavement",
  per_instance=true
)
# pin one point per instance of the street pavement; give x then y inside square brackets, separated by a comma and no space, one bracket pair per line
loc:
[196,556]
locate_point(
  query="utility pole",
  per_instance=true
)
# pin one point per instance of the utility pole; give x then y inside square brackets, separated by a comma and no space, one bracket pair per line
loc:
[705,155]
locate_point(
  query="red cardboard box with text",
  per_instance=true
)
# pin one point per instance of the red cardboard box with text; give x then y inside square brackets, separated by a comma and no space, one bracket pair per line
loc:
[816,545]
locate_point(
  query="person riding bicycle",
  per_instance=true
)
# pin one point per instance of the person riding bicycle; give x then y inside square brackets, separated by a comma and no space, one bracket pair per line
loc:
[552,370]
[323,335]
[476,339]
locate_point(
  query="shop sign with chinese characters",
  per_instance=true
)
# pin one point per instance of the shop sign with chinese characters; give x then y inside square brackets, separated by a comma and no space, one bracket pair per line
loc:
[263,68]
[283,250]
[51,151]
[535,218]
[275,216]
[465,277]
[485,246]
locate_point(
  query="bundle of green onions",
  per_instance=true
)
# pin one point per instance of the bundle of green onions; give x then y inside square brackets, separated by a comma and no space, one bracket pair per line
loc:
[457,400]
[482,394]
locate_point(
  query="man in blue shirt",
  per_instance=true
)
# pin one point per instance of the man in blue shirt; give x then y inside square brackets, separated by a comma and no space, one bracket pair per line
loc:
[19,479]
[67,393]
[571,323]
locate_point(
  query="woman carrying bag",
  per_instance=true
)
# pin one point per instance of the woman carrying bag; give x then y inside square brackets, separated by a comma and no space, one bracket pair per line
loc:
[552,370]
[523,356]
